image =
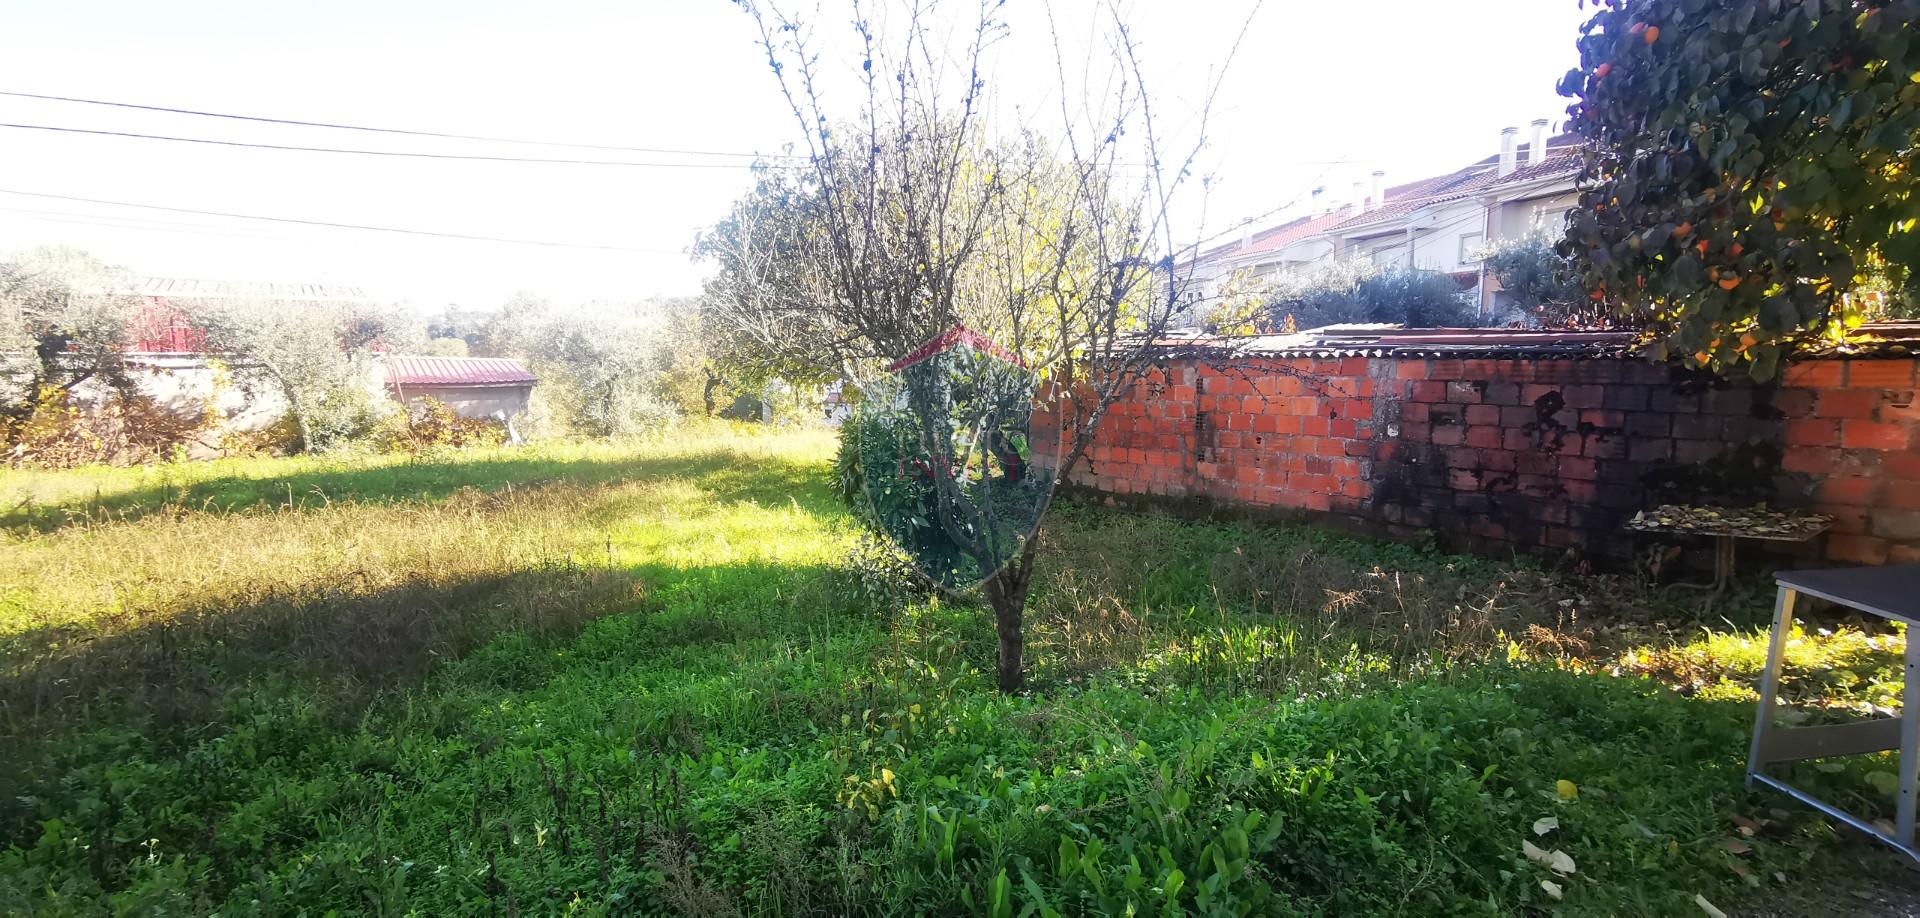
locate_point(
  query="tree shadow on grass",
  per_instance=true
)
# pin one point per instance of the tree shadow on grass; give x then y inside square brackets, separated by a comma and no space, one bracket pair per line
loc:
[729,472]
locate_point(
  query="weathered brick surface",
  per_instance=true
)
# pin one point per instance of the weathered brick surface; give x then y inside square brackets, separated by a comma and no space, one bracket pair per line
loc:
[1518,455]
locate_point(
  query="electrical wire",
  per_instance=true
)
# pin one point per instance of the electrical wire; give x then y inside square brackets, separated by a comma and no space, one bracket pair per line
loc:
[330,225]
[381,130]
[398,153]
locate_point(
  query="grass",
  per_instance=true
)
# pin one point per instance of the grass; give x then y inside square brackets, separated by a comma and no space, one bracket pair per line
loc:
[640,679]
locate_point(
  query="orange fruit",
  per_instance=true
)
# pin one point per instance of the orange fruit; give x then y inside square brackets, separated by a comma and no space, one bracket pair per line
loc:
[1652,35]
[1736,249]
[1683,230]
[1600,72]
[1728,283]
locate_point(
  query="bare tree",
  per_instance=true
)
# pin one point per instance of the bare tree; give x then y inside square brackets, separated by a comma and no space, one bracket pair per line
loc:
[915,219]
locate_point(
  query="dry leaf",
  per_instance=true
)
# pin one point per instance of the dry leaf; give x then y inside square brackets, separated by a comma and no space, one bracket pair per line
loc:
[1737,846]
[1552,888]
[1708,907]
[1545,824]
[1556,860]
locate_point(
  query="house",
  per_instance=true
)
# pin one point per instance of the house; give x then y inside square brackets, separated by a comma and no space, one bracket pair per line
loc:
[474,387]
[1436,224]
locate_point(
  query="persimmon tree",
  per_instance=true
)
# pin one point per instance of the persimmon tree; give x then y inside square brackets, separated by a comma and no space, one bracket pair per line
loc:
[919,211]
[1749,167]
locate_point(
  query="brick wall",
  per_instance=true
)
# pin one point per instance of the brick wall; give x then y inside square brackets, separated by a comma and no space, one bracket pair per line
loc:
[1498,456]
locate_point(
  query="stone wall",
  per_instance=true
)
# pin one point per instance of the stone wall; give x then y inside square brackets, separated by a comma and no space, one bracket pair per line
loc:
[1517,454]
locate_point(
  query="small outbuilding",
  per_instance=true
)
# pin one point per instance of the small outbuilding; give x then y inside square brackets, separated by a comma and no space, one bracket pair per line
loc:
[474,387]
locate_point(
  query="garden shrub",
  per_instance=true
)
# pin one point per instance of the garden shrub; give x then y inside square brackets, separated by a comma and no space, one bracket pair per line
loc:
[429,424]
[126,428]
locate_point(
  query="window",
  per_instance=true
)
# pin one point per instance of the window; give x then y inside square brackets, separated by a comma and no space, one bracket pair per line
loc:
[1470,244]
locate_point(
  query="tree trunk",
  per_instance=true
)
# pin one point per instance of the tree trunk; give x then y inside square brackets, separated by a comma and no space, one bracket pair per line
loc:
[1007,593]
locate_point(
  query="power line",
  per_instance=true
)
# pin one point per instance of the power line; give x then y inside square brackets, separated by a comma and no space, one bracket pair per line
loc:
[381,130]
[399,153]
[329,225]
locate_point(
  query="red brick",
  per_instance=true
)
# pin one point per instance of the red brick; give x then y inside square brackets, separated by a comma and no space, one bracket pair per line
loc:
[1460,457]
[1901,495]
[1853,492]
[1356,488]
[1812,461]
[1846,520]
[1410,369]
[1608,419]
[1343,428]
[1847,403]
[1359,409]
[1857,548]
[1483,414]
[1873,435]
[1265,423]
[1534,392]
[1450,435]
[1516,440]
[1578,467]
[1902,465]
[1583,396]
[1812,432]
[1313,427]
[1483,437]
[1815,374]
[1903,554]
[1463,480]
[1880,374]
[1429,391]
[1794,403]
[1353,366]
[1416,433]
[1497,460]
[1446,370]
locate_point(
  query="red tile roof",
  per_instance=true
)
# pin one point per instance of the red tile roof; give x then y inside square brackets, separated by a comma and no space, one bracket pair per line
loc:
[457,371]
[952,337]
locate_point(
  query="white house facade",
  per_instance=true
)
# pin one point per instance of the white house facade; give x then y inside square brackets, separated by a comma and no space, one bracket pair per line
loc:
[1436,224]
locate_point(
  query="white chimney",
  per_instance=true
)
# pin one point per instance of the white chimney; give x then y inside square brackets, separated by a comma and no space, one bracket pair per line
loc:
[1537,148]
[1359,197]
[1379,188]
[1246,233]
[1507,137]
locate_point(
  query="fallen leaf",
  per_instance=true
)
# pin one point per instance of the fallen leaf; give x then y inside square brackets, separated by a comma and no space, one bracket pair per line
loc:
[1885,782]
[1556,860]
[1566,789]
[1708,907]
[1737,846]
[1552,888]
[1747,826]
[1545,824]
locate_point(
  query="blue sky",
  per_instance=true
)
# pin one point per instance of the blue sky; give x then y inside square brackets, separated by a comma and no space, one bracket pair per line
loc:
[1414,88]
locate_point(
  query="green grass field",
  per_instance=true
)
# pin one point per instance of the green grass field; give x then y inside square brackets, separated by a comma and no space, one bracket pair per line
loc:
[645,679]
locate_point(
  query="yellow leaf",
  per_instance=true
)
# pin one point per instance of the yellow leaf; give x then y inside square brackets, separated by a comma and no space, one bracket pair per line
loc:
[1566,789]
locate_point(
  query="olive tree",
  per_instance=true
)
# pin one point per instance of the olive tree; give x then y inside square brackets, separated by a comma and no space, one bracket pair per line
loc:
[1749,164]
[914,216]
[65,319]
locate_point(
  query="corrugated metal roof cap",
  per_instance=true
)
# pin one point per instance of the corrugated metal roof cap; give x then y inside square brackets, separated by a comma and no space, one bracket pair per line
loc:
[457,371]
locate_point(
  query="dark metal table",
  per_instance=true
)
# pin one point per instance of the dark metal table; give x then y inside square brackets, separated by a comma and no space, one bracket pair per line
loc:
[1892,593]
